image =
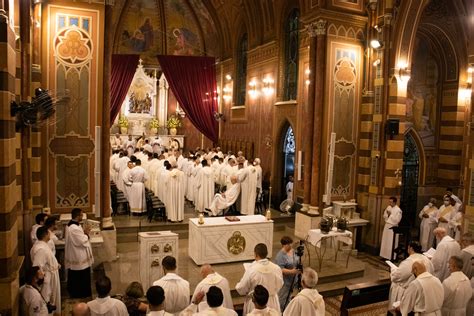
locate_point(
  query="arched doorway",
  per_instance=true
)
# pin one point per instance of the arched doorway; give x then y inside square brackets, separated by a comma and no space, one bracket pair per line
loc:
[410,177]
[289,146]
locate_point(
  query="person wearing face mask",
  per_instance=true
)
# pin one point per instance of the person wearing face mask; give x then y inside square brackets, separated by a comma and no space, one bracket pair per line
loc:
[446,212]
[424,296]
[428,216]
[457,290]
[447,247]
[31,301]
[392,216]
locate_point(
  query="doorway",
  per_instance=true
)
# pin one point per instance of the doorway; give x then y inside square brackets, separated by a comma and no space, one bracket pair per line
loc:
[410,176]
[289,146]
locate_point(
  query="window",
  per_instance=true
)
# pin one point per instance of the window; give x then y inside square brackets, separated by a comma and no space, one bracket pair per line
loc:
[291,56]
[241,80]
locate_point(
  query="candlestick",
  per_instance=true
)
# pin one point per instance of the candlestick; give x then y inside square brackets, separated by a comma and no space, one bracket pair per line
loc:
[270,199]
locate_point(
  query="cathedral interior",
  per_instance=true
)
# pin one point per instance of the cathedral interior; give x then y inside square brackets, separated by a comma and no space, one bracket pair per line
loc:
[383,86]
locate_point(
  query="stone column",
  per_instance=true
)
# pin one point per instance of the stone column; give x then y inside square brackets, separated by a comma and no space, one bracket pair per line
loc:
[307,137]
[317,176]
[9,261]
[163,100]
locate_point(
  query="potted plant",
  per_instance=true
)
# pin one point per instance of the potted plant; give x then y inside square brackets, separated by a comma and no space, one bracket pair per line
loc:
[123,124]
[154,125]
[173,123]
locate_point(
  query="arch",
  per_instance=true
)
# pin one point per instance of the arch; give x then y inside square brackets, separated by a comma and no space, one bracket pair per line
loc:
[421,153]
[277,172]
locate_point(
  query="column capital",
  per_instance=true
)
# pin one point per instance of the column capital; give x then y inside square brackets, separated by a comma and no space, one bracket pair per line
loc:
[316,28]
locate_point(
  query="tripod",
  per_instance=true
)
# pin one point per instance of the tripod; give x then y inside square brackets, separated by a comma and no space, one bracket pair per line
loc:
[296,278]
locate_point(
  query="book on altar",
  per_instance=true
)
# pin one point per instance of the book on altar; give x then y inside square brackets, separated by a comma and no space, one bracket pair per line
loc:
[391,265]
[430,253]
[232,218]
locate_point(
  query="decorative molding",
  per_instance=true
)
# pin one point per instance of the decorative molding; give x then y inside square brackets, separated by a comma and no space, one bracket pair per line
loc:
[316,28]
[263,53]
[290,102]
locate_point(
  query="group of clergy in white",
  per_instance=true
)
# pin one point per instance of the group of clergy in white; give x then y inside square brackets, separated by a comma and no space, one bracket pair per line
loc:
[153,145]
[200,178]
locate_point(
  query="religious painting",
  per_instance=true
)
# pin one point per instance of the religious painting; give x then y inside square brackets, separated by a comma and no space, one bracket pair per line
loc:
[181,29]
[139,30]
[208,27]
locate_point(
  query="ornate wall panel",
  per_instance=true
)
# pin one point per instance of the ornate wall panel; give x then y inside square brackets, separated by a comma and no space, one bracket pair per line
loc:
[73,61]
[343,101]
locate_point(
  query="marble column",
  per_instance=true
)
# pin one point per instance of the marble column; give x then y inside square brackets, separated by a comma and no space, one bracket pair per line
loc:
[10,262]
[307,137]
[317,176]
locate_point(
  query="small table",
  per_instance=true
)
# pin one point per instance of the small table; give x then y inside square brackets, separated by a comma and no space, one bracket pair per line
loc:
[319,240]
[219,240]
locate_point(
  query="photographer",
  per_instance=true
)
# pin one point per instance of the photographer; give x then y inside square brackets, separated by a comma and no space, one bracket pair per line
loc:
[308,302]
[287,261]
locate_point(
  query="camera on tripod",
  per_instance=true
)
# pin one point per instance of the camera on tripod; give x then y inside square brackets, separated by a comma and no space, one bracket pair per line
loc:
[300,249]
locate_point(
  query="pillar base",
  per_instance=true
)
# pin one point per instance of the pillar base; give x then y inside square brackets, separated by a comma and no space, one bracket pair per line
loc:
[107,223]
[305,207]
[313,210]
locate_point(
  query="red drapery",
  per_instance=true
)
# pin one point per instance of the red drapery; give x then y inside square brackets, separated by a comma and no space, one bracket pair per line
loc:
[122,72]
[193,81]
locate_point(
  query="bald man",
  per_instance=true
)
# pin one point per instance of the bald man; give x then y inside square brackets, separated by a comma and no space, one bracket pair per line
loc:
[447,247]
[212,278]
[81,309]
[424,296]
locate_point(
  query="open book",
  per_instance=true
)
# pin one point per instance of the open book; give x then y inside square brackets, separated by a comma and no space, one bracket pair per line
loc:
[430,253]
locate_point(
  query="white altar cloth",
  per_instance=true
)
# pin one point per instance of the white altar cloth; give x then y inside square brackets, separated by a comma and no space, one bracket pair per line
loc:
[220,241]
[315,236]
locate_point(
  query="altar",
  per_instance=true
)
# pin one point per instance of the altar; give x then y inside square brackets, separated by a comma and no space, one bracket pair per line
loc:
[219,240]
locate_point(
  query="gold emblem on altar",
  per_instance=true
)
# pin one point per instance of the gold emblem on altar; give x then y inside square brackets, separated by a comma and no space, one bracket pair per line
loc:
[236,243]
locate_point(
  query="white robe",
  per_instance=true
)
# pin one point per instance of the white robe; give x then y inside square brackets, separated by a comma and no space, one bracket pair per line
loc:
[455,225]
[457,294]
[31,302]
[268,311]
[427,226]
[387,236]
[137,200]
[467,254]
[175,193]
[156,145]
[78,251]
[107,306]
[205,189]
[259,177]
[403,276]
[116,143]
[53,239]
[214,279]
[113,173]
[191,310]
[446,212]
[120,166]
[225,200]
[163,186]
[194,172]
[307,302]
[176,292]
[243,178]
[41,256]
[127,184]
[130,147]
[265,273]
[446,248]
[34,229]
[289,190]
[252,191]
[424,296]
[189,180]
[148,148]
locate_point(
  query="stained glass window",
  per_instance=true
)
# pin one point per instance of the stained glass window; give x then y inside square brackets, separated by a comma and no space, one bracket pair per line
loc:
[291,56]
[290,144]
[241,82]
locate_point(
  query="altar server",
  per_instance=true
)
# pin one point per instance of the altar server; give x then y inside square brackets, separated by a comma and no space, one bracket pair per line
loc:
[127,184]
[42,256]
[210,279]
[402,276]
[447,247]
[428,216]
[205,187]
[392,216]
[214,299]
[175,195]
[424,296]
[446,213]
[120,165]
[224,200]
[261,272]
[104,305]
[50,224]
[175,287]
[137,177]
[260,297]
[308,301]
[457,290]
[258,168]
[78,257]
[40,219]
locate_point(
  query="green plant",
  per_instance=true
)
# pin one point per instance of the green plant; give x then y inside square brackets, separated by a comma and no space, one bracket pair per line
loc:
[123,121]
[173,122]
[154,123]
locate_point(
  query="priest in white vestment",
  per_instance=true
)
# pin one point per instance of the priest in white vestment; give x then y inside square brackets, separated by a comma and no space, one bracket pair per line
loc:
[113,158]
[446,248]
[127,184]
[260,298]
[429,221]
[43,257]
[205,187]
[147,147]
[392,216]
[457,200]
[224,200]
[424,295]
[446,213]
[252,190]
[188,169]
[402,275]
[457,290]
[256,163]
[129,146]
[228,171]
[104,305]
[50,224]
[214,299]
[176,288]
[243,177]
[455,224]
[467,255]
[261,272]
[120,165]
[175,193]
[156,145]
[137,177]
[116,142]
[308,301]
[163,190]
[212,278]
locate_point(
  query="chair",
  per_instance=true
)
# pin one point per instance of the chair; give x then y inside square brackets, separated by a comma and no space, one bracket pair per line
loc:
[156,209]
[260,203]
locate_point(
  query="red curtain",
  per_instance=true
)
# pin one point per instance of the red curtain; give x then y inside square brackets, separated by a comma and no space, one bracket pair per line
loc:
[123,70]
[192,80]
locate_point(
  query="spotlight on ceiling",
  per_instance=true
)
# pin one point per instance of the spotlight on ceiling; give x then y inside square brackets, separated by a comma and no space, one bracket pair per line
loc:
[376,44]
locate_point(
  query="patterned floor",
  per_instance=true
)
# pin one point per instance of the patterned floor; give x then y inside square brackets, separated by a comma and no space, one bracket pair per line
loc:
[333,307]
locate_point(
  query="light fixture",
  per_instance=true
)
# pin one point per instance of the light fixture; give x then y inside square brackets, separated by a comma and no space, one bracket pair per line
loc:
[307,82]
[228,77]
[253,89]
[307,71]
[376,44]
[404,73]
[376,62]
[378,28]
[227,93]
[267,86]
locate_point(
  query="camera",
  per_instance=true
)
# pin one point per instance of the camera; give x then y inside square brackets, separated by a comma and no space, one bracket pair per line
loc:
[51,308]
[300,249]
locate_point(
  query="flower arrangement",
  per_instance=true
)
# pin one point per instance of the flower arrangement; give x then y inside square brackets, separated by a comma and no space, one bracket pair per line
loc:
[173,122]
[123,121]
[154,123]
